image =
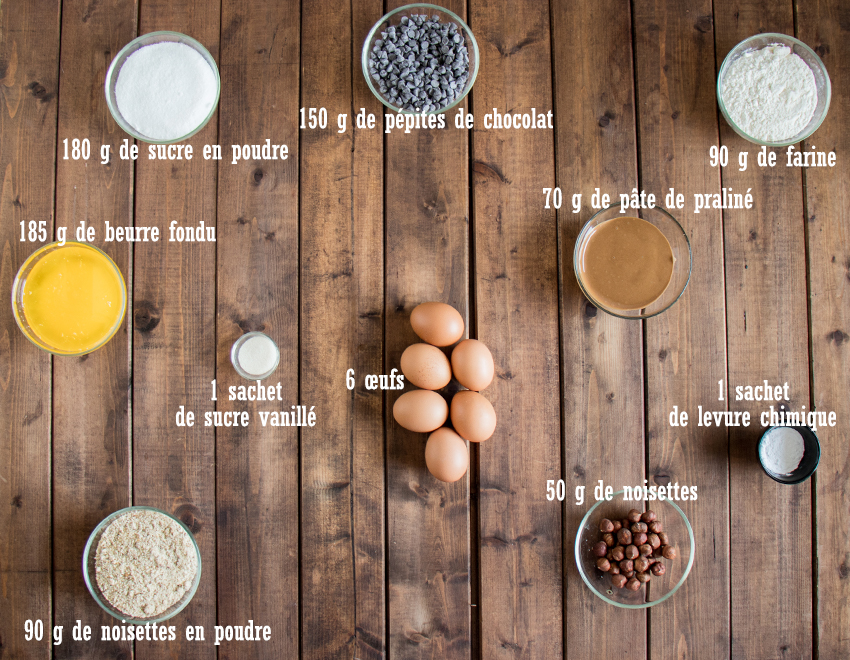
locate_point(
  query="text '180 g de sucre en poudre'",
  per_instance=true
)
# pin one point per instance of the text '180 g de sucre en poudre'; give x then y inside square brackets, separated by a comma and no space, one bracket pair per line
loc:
[165,90]
[145,563]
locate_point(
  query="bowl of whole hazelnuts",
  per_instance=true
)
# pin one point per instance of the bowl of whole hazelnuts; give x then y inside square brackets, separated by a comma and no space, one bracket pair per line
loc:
[634,554]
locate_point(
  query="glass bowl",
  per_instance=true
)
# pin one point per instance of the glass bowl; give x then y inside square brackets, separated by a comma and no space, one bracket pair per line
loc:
[658,589]
[824,89]
[234,356]
[672,231]
[89,570]
[132,47]
[394,18]
[808,464]
[19,310]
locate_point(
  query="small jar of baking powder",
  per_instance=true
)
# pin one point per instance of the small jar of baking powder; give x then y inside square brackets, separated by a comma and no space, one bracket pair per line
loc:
[255,356]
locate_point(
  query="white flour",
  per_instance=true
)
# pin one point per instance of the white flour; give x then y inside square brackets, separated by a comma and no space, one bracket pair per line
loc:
[165,90]
[770,93]
[144,563]
[782,450]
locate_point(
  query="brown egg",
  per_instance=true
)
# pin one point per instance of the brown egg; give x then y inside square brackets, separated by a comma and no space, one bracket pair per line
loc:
[421,411]
[446,455]
[473,416]
[472,364]
[426,366]
[437,323]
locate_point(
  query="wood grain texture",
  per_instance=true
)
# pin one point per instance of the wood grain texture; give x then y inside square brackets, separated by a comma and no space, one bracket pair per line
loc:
[257,274]
[601,354]
[516,311]
[767,340]
[427,258]
[174,351]
[29,58]
[686,345]
[91,440]
[342,457]
[823,27]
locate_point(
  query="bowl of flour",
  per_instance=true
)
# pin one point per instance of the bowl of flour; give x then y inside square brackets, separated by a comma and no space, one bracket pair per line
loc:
[773,90]
[162,87]
[142,565]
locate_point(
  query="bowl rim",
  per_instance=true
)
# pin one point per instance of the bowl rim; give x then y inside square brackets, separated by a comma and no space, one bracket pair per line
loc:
[57,245]
[640,606]
[364,57]
[114,70]
[126,618]
[604,308]
[741,47]
[805,476]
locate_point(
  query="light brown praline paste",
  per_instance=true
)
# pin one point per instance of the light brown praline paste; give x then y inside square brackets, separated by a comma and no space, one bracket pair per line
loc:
[626,263]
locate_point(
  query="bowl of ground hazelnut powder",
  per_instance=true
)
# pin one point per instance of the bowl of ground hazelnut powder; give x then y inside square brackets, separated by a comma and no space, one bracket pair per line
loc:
[142,565]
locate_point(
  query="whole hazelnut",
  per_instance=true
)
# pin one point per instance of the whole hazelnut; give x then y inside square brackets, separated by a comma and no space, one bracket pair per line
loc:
[631,552]
[606,525]
[658,568]
[633,515]
[629,575]
[625,522]
[645,550]
[609,555]
[662,536]
[657,552]
[639,527]
[653,540]
[627,565]
[609,540]
[641,564]
[617,526]
[639,539]
[603,564]
[643,577]
[619,581]
[669,552]
[633,585]
[648,516]
[624,536]
[618,553]
[614,570]
[656,526]
[600,549]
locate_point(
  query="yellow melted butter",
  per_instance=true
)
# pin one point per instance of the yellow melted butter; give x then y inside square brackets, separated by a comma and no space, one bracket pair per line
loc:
[72,298]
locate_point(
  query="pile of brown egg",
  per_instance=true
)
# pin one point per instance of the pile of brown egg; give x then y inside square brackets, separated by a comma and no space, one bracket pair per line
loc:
[424,410]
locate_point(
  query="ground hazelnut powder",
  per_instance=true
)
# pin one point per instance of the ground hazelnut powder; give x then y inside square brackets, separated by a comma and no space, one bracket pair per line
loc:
[145,562]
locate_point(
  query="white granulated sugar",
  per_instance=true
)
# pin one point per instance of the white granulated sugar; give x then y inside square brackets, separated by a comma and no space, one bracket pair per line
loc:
[165,90]
[145,563]
[770,93]
[257,356]
[782,450]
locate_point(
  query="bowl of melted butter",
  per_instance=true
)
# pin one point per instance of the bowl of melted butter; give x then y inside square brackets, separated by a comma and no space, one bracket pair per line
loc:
[632,265]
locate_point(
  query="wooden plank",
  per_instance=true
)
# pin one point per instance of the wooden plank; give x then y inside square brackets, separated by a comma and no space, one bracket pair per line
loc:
[828,229]
[342,457]
[427,258]
[601,354]
[767,340]
[29,56]
[257,468]
[685,346]
[174,349]
[516,295]
[91,395]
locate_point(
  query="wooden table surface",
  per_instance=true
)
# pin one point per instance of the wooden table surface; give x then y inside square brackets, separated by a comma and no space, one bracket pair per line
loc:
[336,537]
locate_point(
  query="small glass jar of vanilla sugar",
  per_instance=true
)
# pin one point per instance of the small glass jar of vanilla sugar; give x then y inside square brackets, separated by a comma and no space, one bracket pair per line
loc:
[255,356]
